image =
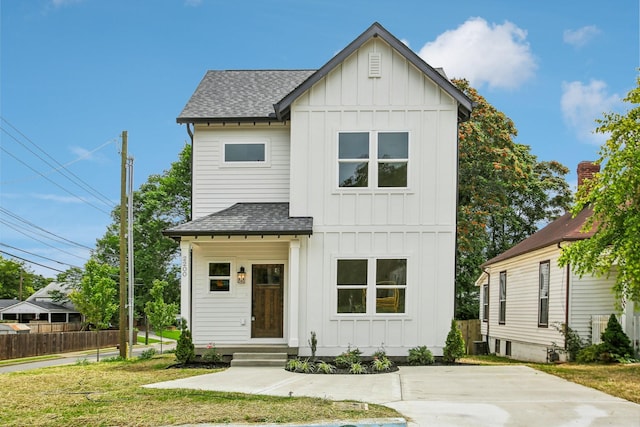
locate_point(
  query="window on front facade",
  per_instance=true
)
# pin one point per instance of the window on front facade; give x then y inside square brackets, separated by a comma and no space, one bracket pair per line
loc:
[543,306]
[485,303]
[391,283]
[503,298]
[352,286]
[219,276]
[384,278]
[235,152]
[373,159]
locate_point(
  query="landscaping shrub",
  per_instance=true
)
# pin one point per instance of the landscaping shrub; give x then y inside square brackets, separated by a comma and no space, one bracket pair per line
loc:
[420,356]
[615,343]
[211,354]
[357,368]
[590,354]
[185,350]
[348,358]
[325,368]
[381,364]
[147,354]
[454,346]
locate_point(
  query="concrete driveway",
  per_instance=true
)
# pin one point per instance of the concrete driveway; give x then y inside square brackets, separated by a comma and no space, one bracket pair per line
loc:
[441,395]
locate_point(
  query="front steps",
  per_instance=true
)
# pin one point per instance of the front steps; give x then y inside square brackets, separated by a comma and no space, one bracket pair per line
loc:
[278,360]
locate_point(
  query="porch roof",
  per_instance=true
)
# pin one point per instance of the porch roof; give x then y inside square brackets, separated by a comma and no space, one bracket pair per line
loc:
[246,219]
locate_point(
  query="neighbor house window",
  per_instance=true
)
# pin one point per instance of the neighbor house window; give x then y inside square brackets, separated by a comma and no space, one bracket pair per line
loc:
[503,298]
[485,303]
[373,159]
[219,276]
[543,305]
[384,278]
[352,285]
[391,282]
[245,152]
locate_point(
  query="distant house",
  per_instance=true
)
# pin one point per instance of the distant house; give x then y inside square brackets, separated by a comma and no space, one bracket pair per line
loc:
[324,201]
[40,307]
[525,296]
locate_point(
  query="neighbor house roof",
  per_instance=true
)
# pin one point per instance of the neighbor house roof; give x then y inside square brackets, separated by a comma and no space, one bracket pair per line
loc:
[263,95]
[37,307]
[4,303]
[564,229]
[246,219]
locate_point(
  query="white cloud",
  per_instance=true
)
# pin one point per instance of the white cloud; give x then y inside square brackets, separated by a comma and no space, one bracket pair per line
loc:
[496,55]
[582,104]
[581,36]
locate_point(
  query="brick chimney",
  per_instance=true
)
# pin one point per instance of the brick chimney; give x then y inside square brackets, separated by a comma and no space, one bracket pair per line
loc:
[586,170]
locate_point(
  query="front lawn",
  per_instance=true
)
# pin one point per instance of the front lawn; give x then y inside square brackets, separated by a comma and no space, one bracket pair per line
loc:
[109,393]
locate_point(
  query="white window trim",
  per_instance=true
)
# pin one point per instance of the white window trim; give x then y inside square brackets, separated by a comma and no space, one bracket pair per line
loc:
[253,164]
[373,162]
[232,277]
[371,288]
[540,298]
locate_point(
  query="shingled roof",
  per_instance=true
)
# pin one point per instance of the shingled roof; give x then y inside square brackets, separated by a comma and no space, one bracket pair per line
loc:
[246,219]
[564,229]
[266,95]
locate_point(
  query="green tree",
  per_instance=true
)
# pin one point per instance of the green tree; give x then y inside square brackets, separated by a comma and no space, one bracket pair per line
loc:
[504,193]
[454,346]
[614,197]
[185,350]
[95,297]
[12,273]
[160,313]
[160,203]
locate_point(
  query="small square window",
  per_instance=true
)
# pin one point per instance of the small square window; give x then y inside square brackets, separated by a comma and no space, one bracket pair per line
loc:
[219,276]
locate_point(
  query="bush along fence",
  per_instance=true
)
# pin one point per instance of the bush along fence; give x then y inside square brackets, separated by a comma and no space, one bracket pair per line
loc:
[16,346]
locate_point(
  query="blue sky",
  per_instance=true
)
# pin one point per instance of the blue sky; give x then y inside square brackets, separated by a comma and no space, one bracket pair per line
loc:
[76,73]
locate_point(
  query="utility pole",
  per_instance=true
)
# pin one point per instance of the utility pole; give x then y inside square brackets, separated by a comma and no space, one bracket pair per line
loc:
[130,268]
[123,248]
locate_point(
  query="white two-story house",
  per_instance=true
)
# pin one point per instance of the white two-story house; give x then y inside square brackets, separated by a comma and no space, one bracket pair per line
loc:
[324,201]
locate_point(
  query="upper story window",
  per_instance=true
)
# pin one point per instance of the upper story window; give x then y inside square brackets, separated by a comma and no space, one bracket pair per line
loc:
[245,152]
[373,159]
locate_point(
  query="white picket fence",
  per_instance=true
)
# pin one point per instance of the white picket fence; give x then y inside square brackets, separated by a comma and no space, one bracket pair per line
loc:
[599,324]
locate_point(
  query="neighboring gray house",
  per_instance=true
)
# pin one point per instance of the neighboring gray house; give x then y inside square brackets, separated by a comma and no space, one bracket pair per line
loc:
[323,200]
[40,307]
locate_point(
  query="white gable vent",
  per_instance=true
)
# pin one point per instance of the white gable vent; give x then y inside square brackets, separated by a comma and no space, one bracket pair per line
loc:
[375,64]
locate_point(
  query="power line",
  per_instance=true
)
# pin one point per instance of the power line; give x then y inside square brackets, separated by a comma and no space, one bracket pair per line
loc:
[31,262]
[39,256]
[82,184]
[16,228]
[56,184]
[19,218]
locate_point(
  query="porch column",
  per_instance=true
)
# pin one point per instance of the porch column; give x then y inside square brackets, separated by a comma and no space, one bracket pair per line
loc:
[185,281]
[294,291]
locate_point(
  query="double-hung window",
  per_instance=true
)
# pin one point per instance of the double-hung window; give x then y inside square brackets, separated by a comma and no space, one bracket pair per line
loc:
[373,159]
[543,305]
[485,303]
[359,278]
[219,276]
[503,298]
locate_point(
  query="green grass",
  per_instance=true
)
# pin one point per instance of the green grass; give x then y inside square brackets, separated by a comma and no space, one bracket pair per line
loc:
[172,335]
[110,393]
[151,340]
[28,359]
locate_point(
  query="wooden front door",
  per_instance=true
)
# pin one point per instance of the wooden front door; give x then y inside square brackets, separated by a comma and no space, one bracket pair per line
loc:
[267,282]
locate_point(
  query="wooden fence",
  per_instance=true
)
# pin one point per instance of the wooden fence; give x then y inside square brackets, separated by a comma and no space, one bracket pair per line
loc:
[28,345]
[48,328]
[470,332]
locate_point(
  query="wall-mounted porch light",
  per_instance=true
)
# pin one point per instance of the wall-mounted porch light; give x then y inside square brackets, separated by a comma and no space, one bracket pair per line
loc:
[241,276]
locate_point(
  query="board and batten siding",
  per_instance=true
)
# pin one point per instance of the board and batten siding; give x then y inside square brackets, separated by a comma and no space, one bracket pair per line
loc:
[522,302]
[217,186]
[416,223]
[225,317]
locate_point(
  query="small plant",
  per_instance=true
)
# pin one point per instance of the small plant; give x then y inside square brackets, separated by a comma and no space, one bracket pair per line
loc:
[82,362]
[325,368]
[211,354]
[147,354]
[114,359]
[313,343]
[292,365]
[185,351]
[381,364]
[380,352]
[454,346]
[419,356]
[305,366]
[348,358]
[573,342]
[357,368]
[590,354]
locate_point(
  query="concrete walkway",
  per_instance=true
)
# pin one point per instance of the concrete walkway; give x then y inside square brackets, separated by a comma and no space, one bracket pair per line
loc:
[441,395]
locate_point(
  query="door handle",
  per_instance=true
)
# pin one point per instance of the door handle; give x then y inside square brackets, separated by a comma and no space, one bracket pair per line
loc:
[253,318]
